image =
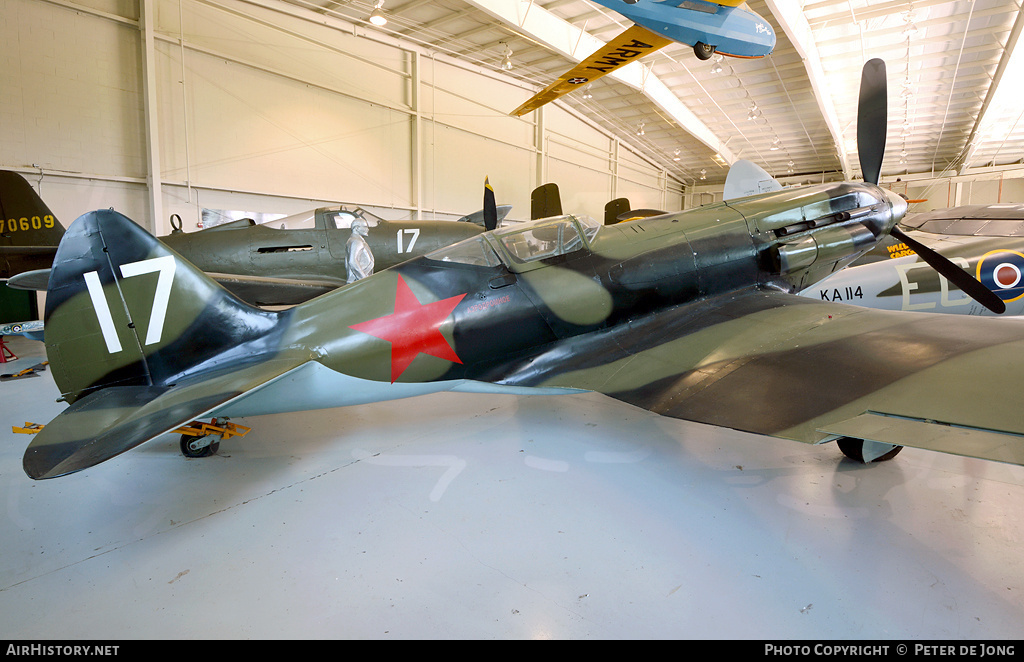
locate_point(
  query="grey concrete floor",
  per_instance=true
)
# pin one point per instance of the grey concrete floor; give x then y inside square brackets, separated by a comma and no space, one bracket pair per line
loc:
[479,516]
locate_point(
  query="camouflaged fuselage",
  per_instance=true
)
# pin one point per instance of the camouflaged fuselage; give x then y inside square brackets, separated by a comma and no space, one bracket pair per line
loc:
[619,275]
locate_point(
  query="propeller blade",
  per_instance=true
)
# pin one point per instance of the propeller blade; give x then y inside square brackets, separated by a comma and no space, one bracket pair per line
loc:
[872,115]
[490,208]
[954,274]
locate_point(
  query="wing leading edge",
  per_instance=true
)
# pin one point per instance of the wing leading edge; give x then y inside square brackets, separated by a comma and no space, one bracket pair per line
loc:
[810,371]
[631,45]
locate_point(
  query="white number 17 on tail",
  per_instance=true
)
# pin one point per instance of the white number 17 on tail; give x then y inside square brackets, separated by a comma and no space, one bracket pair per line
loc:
[161,298]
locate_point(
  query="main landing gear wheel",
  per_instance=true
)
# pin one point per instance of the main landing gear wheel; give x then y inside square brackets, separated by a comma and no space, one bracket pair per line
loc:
[703,51]
[192,446]
[199,439]
[858,449]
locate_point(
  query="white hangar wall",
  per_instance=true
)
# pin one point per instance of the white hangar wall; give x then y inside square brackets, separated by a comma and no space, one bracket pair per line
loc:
[260,106]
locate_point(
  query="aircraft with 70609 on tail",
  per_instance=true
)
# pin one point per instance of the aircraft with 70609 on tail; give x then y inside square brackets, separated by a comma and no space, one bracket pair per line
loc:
[693,315]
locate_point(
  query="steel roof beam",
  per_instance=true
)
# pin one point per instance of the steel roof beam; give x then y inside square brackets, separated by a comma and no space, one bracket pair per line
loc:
[794,23]
[541,25]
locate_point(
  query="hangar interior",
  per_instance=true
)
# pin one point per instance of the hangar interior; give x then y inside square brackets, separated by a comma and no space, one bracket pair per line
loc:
[493,516]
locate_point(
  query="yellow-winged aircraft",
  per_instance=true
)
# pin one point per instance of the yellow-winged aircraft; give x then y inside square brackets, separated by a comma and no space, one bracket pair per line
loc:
[710,27]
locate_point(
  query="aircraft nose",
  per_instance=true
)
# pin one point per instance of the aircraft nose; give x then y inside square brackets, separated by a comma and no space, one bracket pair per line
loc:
[898,204]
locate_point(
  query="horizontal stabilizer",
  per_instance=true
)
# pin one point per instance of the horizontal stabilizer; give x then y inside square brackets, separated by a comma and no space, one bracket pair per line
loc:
[109,422]
[28,250]
[36,280]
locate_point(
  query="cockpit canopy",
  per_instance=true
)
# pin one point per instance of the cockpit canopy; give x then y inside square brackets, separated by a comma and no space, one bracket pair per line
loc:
[331,218]
[523,244]
[342,218]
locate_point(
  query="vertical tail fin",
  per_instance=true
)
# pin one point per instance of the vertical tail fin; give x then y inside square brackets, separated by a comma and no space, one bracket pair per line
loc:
[615,210]
[122,309]
[29,232]
[26,218]
[747,178]
[545,201]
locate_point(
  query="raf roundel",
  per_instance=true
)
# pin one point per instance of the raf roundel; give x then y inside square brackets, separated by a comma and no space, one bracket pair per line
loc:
[1001,271]
[1006,275]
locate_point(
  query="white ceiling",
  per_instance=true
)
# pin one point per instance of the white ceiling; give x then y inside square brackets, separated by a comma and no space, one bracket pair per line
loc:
[941,77]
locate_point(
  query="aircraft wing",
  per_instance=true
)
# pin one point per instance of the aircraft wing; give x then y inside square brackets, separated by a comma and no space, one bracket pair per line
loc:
[631,45]
[782,365]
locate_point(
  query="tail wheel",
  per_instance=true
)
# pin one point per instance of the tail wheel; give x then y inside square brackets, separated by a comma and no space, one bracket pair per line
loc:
[703,51]
[192,446]
[854,449]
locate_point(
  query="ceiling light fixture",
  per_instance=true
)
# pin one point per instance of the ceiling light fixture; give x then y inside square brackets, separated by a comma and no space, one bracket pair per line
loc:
[506,59]
[640,129]
[377,16]
[587,94]
[716,63]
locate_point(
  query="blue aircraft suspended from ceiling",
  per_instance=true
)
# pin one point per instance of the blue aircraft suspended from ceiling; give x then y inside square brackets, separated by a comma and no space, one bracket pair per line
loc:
[710,27]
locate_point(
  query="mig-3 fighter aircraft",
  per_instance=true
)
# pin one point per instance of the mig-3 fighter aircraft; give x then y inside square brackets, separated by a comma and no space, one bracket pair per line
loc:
[693,315]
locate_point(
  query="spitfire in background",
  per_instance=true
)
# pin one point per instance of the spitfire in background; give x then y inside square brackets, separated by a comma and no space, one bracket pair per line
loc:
[986,241]
[710,27]
[692,315]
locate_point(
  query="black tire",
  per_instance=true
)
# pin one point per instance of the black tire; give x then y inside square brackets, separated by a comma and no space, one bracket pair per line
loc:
[206,451]
[854,449]
[703,51]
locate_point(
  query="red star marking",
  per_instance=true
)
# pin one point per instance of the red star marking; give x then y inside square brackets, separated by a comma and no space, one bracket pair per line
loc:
[413,329]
